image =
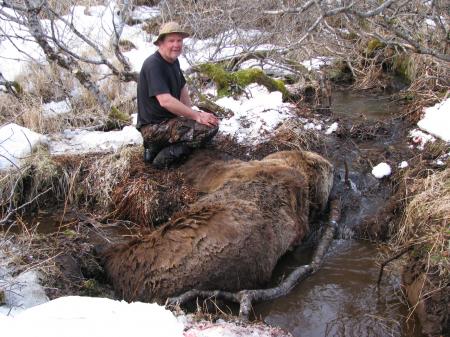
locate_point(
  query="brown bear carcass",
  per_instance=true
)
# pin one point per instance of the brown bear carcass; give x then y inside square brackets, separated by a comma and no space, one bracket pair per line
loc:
[232,237]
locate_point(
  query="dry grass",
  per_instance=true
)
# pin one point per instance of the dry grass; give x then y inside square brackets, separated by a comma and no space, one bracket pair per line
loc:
[151,198]
[426,222]
[116,186]
[104,173]
[293,135]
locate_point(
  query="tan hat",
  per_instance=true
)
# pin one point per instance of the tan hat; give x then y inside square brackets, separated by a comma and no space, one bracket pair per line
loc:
[168,28]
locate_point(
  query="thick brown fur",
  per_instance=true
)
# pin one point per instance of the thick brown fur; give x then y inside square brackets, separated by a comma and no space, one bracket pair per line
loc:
[232,237]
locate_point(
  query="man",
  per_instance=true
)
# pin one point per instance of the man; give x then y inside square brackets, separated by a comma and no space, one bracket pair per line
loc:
[166,120]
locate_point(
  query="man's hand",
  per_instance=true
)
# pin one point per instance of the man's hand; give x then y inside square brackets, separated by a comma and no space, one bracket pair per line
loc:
[207,118]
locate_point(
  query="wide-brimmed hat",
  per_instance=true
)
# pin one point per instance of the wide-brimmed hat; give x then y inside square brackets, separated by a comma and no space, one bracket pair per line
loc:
[168,28]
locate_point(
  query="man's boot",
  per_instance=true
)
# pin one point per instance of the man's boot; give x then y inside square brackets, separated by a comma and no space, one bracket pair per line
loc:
[171,154]
[150,152]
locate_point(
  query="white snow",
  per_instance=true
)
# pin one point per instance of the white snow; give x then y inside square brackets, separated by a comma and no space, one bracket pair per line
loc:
[256,114]
[232,43]
[436,120]
[316,62]
[381,170]
[430,23]
[82,141]
[332,128]
[16,143]
[270,67]
[420,138]
[53,109]
[145,13]
[403,164]
[312,126]
[21,292]
[13,61]
[75,316]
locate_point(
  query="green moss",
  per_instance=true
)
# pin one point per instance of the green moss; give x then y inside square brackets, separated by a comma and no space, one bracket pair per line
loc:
[17,87]
[91,287]
[118,115]
[351,36]
[116,119]
[229,83]
[70,233]
[410,96]
[374,45]
[404,67]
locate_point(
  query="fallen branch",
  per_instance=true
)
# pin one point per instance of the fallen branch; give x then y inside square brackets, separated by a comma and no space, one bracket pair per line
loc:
[13,211]
[246,298]
[386,262]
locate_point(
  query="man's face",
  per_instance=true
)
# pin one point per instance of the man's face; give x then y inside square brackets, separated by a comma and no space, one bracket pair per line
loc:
[171,46]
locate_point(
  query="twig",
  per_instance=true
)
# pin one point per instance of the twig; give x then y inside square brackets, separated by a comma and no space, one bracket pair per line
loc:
[384,263]
[12,212]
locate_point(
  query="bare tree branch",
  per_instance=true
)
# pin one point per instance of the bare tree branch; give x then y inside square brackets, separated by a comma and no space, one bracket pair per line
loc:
[66,62]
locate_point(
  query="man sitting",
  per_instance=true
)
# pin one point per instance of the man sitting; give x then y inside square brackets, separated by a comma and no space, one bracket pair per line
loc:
[166,120]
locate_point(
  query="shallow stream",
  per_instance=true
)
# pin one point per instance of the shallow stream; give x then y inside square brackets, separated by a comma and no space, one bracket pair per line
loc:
[342,298]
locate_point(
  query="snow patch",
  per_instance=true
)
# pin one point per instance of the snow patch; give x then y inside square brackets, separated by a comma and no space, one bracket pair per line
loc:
[143,13]
[381,170]
[16,143]
[403,164]
[332,128]
[82,141]
[75,316]
[420,138]
[256,114]
[21,292]
[53,109]
[436,120]
[316,62]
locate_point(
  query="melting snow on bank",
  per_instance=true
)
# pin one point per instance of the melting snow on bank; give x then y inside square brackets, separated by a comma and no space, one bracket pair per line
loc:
[75,316]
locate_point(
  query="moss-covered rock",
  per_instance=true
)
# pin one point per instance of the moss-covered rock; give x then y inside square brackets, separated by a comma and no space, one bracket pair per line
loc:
[339,72]
[229,83]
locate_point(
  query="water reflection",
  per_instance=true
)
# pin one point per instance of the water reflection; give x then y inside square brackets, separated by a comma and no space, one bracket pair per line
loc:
[341,299]
[350,104]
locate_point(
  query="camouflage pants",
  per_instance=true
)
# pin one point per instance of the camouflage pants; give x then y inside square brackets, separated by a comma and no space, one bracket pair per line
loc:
[176,130]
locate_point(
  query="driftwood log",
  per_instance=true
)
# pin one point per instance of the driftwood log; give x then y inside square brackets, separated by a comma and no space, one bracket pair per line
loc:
[251,214]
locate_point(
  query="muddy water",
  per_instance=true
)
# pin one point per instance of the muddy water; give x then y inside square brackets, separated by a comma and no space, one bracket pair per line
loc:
[342,298]
[361,106]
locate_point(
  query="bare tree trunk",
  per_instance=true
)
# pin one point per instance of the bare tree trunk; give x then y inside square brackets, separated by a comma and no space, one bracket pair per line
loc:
[66,62]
